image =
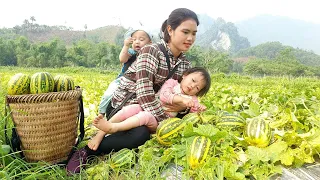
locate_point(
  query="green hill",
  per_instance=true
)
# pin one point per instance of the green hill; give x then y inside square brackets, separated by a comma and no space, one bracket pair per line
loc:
[42,33]
[270,50]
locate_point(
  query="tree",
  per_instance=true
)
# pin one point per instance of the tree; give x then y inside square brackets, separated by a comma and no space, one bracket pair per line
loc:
[286,55]
[216,61]
[32,19]
[85,30]
[17,29]
[23,50]
[7,55]
[26,24]
[194,55]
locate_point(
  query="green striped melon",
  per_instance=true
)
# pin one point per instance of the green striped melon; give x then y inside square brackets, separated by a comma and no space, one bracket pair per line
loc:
[19,84]
[168,130]
[230,121]
[208,116]
[257,132]
[198,151]
[124,157]
[56,77]
[191,117]
[63,83]
[41,82]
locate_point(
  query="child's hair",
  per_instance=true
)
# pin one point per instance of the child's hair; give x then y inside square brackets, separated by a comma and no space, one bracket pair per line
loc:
[148,34]
[205,75]
[131,31]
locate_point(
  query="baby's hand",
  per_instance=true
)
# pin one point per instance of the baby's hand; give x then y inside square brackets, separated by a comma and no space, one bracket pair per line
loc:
[188,102]
[201,107]
[128,41]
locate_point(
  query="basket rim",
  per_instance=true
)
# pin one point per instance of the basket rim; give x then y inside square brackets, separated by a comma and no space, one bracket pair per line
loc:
[45,97]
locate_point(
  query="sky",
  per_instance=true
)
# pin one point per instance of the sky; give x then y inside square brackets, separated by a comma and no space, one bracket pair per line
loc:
[150,13]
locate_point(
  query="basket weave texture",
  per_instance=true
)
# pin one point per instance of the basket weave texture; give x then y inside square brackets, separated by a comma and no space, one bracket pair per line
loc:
[46,124]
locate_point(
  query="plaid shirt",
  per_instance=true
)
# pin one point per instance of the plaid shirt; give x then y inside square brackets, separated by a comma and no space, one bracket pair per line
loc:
[150,68]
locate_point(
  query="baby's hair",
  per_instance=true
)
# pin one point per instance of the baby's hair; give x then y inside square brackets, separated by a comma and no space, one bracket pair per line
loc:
[205,75]
[148,35]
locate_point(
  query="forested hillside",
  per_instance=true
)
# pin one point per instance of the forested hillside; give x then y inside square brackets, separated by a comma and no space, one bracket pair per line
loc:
[219,48]
[271,50]
[43,33]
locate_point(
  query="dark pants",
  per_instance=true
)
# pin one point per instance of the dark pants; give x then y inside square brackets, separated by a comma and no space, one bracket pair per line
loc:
[124,139]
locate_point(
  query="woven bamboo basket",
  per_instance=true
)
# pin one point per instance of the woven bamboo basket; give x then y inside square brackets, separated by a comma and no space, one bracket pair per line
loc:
[46,124]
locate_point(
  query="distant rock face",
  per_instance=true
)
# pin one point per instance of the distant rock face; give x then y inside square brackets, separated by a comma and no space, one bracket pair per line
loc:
[222,42]
[222,36]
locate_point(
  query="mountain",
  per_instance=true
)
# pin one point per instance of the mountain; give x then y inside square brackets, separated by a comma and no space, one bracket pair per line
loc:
[42,33]
[206,22]
[221,35]
[292,32]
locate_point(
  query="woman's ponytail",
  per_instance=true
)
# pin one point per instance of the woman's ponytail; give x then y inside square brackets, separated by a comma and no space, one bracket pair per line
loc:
[164,31]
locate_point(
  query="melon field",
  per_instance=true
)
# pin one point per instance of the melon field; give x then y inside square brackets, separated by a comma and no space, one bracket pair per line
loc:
[209,148]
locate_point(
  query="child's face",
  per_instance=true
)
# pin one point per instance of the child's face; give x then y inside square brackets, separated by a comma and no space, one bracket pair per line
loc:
[140,38]
[192,83]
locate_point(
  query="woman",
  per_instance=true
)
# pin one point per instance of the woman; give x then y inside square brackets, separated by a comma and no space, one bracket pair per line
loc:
[148,71]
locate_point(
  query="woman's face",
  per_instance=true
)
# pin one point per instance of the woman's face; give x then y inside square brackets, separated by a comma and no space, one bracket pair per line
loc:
[182,38]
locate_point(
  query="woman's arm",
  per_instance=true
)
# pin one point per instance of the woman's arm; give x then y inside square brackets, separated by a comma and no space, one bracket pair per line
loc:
[176,107]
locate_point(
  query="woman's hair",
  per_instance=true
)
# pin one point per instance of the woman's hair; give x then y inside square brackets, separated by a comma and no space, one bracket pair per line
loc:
[177,17]
[205,75]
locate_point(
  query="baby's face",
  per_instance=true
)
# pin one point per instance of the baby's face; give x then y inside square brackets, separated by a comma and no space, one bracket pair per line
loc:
[140,39]
[192,83]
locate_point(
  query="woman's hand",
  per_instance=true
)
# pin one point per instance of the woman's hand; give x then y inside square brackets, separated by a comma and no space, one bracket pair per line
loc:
[177,107]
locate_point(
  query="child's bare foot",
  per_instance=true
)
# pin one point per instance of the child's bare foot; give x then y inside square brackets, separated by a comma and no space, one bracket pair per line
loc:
[104,125]
[95,141]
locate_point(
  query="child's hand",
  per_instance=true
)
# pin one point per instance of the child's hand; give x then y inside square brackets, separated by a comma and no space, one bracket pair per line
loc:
[128,41]
[188,102]
[202,107]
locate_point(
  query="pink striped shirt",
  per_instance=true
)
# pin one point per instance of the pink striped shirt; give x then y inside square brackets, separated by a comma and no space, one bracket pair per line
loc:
[170,89]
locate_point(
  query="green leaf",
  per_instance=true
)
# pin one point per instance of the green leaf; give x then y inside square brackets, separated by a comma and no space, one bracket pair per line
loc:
[5,149]
[287,158]
[276,150]
[256,155]
[188,130]
[4,175]
[206,130]
[254,109]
